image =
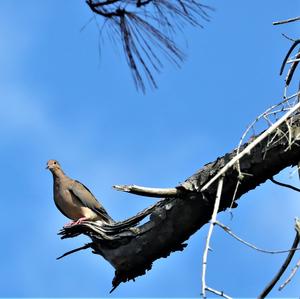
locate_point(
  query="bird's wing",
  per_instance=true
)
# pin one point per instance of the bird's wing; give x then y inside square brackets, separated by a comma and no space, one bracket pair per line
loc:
[85,196]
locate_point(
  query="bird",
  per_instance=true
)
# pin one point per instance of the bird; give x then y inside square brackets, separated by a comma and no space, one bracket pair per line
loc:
[74,200]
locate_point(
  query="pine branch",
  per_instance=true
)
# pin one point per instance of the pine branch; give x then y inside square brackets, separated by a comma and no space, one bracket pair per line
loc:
[147,29]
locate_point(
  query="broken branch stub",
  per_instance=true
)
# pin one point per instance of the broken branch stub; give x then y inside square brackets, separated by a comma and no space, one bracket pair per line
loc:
[149,192]
[131,248]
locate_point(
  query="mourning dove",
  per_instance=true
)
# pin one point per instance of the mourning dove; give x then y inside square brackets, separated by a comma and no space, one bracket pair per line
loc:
[75,200]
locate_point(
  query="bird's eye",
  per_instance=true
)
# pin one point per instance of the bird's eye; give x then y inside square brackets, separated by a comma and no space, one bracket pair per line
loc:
[54,162]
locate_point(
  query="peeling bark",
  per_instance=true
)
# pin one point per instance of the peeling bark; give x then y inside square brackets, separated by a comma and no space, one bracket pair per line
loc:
[131,249]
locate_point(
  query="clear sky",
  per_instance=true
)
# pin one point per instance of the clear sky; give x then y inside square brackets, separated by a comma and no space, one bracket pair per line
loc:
[60,100]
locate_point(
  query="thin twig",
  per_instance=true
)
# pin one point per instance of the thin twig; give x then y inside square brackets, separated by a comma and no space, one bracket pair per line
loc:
[292,69]
[284,185]
[266,112]
[287,261]
[228,230]
[146,191]
[286,21]
[86,246]
[251,145]
[219,293]
[289,52]
[294,270]
[234,194]
[293,60]
[209,234]
[288,38]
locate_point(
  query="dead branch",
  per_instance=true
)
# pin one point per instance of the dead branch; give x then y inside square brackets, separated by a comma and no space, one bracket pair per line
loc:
[292,69]
[284,185]
[219,293]
[228,231]
[287,261]
[246,150]
[294,270]
[209,234]
[132,248]
[294,65]
[89,245]
[286,21]
[150,192]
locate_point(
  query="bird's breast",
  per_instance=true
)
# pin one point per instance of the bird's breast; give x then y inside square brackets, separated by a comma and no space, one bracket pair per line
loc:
[66,204]
[71,206]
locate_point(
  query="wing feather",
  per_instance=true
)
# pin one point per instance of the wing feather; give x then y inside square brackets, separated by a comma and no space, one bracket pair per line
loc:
[86,197]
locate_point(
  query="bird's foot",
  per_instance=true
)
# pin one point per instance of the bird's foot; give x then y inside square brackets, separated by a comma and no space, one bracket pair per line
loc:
[69,224]
[79,221]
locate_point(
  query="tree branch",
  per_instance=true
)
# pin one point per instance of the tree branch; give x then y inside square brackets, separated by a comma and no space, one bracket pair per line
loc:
[228,230]
[89,245]
[151,192]
[219,293]
[284,185]
[251,145]
[294,270]
[287,261]
[209,234]
[131,248]
[286,21]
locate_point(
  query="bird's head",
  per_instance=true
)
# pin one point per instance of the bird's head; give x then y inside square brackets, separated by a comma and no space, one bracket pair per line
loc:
[53,165]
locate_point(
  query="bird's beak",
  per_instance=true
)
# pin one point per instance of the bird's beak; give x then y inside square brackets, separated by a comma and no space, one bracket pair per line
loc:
[47,167]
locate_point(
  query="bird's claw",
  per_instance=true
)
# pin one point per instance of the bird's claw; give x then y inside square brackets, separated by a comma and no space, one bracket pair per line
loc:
[69,224]
[79,221]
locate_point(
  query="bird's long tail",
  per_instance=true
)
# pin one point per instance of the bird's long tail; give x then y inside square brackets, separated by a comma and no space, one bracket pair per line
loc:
[133,221]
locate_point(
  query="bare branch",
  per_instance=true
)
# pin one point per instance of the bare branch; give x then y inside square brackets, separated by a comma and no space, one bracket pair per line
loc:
[89,245]
[294,270]
[293,60]
[292,69]
[274,111]
[289,52]
[173,220]
[209,234]
[286,21]
[228,230]
[150,192]
[284,185]
[287,261]
[219,293]
[251,145]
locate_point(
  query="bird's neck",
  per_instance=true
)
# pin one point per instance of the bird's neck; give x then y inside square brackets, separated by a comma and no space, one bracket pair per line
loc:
[58,173]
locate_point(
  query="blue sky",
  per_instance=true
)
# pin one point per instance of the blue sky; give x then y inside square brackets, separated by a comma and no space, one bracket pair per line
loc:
[59,100]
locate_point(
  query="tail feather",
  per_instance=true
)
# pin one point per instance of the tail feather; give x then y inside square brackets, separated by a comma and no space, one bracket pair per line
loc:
[132,221]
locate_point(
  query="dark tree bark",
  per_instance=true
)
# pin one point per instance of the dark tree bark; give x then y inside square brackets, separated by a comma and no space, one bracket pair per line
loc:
[173,220]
